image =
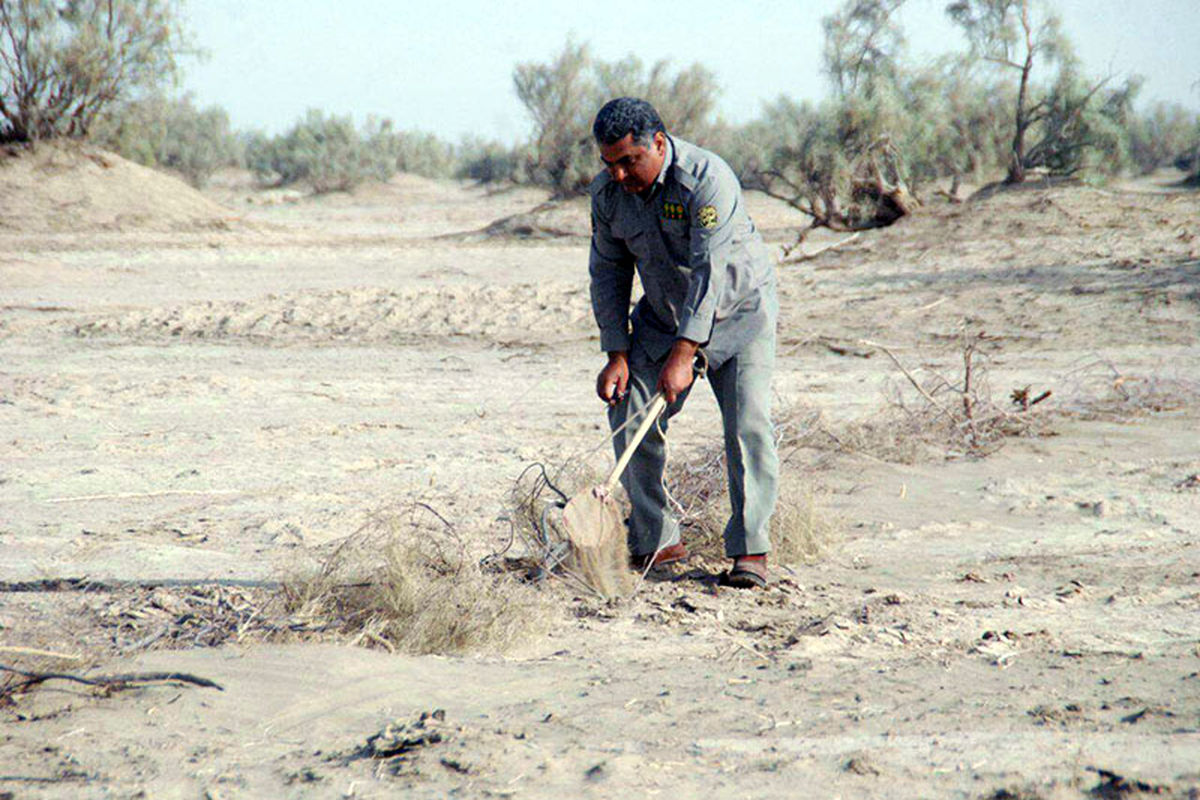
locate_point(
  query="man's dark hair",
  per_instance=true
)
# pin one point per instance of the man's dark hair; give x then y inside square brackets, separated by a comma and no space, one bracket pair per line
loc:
[627,115]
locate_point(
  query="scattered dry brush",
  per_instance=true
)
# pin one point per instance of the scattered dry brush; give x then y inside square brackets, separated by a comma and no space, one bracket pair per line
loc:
[404,582]
[931,414]
[1098,390]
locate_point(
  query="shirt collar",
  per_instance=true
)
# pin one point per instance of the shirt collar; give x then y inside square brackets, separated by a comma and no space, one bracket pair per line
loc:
[668,160]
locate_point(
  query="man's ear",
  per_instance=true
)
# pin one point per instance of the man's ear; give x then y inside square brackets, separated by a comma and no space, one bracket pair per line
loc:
[660,143]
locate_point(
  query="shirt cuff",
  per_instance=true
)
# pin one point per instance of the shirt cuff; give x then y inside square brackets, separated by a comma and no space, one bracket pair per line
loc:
[696,329]
[613,339]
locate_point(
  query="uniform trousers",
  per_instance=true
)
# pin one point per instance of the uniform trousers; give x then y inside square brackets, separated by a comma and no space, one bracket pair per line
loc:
[742,386]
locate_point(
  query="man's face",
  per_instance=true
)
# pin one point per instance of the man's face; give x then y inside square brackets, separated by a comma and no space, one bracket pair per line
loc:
[632,166]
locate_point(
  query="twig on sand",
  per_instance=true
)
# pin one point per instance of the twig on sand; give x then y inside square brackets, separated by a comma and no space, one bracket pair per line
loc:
[120,681]
[738,644]
[33,651]
[928,397]
[926,307]
[63,777]
[136,495]
[790,259]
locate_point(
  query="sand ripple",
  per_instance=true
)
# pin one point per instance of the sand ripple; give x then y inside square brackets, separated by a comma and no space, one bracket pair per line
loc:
[523,312]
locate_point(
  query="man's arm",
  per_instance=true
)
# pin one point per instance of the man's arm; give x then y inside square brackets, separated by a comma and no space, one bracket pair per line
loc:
[611,267]
[711,210]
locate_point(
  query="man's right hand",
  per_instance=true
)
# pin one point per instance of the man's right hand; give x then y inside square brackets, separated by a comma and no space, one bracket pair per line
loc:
[613,380]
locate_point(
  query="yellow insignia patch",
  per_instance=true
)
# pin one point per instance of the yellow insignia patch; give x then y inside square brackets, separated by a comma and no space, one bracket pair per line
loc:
[707,216]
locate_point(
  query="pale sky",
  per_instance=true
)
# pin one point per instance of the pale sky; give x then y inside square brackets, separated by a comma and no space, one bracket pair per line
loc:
[445,66]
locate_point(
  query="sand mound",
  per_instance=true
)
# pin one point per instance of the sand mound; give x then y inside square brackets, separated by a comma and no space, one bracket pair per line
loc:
[512,313]
[553,219]
[66,186]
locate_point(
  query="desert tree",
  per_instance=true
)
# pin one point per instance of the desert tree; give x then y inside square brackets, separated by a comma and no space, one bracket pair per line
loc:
[563,95]
[412,151]
[488,161]
[863,44]
[844,162]
[1085,125]
[1014,36]
[559,97]
[1189,160]
[62,63]
[685,100]
[964,131]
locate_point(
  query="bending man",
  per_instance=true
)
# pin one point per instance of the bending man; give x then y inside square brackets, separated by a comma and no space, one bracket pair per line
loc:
[674,213]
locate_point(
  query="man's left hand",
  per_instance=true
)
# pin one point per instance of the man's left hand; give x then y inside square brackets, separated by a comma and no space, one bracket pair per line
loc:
[677,374]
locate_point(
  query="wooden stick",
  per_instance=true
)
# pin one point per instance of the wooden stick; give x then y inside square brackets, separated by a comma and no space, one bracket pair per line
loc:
[656,407]
[926,307]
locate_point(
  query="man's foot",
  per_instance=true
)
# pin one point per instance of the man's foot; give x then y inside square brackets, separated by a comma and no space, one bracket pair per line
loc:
[668,555]
[748,572]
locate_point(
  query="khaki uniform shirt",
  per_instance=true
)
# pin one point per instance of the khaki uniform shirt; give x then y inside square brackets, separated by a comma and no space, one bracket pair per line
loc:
[704,270]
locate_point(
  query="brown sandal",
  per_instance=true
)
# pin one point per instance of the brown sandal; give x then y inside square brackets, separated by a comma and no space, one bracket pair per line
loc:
[748,572]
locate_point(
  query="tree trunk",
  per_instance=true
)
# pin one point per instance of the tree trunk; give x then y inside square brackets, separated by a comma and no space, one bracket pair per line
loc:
[1016,169]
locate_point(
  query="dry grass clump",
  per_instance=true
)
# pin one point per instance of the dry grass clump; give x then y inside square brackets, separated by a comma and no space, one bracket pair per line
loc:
[958,413]
[404,582]
[801,531]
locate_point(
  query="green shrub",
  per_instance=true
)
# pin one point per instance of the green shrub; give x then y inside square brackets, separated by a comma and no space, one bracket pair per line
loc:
[419,153]
[489,161]
[324,151]
[170,134]
[1165,134]
[414,152]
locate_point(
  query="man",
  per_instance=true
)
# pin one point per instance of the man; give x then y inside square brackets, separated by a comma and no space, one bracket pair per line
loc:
[674,213]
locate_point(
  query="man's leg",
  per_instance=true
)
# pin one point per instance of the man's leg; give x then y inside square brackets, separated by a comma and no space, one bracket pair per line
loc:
[652,526]
[743,389]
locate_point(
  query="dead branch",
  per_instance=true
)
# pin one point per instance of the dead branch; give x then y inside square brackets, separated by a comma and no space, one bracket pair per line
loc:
[92,585]
[116,682]
[967,397]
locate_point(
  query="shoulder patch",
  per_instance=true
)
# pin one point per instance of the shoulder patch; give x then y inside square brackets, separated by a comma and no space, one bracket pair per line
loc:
[707,216]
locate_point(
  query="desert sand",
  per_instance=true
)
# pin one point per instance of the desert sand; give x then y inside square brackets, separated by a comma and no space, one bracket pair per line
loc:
[225,386]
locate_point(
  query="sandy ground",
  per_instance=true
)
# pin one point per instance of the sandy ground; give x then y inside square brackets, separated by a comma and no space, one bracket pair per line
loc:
[193,401]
